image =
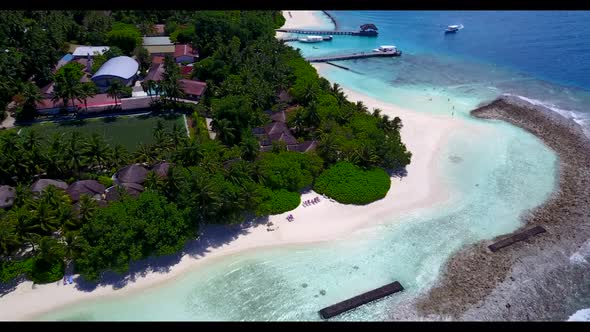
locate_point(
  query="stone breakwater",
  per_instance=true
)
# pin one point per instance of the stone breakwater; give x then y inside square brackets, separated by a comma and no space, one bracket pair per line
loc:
[544,277]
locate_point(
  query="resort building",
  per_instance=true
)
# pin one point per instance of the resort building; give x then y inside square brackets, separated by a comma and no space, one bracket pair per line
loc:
[122,68]
[158,45]
[185,54]
[192,89]
[85,51]
[278,131]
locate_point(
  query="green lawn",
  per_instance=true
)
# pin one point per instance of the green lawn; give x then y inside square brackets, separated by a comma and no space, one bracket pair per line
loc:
[129,131]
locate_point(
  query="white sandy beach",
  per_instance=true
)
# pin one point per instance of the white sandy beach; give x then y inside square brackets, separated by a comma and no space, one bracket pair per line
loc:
[327,220]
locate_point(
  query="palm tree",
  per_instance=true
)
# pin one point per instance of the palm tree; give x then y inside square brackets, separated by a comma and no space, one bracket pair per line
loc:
[87,209]
[8,237]
[360,107]
[50,250]
[338,93]
[67,85]
[145,153]
[170,83]
[72,246]
[116,90]
[24,229]
[118,156]
[225,130]
[88,90]
[298,121]
[312,116]
[31,95]
[74,153]
[96,150]
[177,135]
[310,92]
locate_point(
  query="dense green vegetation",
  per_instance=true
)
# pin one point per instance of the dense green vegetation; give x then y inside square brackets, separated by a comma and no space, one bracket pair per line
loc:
[349,184]
[277,201]
[222,181]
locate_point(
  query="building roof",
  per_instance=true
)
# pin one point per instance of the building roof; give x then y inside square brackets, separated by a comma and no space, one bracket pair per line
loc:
[86,50]
[152,41]
[161,169]
[133,173]
[184,49]
[133,189]
[84,187]
[279,117]
[99,100]
[303,147]
[157,59]
[7,196]
[121,66]
[191,87]
[39,185]
[159,28]
[155,72]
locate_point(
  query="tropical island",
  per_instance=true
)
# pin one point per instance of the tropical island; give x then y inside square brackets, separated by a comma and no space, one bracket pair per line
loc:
[262,128]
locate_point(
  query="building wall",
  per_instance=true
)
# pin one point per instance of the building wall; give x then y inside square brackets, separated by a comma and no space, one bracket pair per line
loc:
[103,82]
[160,49]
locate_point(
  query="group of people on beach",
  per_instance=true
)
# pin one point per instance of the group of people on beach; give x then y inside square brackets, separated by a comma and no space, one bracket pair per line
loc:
[290,218]
[311,201]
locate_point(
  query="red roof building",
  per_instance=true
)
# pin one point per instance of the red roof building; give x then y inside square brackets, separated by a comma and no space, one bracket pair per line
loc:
[193,89]
[184,53]
[186,71]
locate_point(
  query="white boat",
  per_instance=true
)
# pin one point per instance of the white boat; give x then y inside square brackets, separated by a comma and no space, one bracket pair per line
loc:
[386,48]
[453,28]
[312,39]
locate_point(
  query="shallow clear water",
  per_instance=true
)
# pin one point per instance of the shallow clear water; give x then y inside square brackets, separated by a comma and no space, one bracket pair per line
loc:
[495,172]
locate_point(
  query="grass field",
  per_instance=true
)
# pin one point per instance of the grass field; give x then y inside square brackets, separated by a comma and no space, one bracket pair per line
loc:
[129,131]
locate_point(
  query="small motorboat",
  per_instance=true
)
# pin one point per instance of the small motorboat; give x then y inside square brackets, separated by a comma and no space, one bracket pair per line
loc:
[453,28]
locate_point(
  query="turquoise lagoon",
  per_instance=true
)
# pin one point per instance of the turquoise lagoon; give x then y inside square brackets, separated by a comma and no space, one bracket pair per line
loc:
[494,177]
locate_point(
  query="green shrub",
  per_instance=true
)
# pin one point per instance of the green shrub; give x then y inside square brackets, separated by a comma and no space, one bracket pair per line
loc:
[44,272]
[277,201]
[106,181]
[12,269]
[349,184]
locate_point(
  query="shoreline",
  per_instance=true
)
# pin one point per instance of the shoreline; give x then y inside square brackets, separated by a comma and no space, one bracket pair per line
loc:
[424,135]
[479,285]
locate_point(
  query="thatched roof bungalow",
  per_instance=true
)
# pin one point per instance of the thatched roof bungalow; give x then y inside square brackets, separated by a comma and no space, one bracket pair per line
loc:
[7,197]
[133,189]
[132,174]
[39,185]
[161,169]
[85,187]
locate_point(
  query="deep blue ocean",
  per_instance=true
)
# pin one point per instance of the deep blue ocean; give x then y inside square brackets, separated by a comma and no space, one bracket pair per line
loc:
[541,55]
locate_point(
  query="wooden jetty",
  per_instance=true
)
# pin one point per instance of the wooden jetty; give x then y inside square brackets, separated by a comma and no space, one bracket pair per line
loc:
[359,300]
[516,238]
[366,30]
[353,56]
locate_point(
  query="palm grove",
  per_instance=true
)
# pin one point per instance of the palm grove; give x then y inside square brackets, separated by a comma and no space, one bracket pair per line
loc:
[224,180]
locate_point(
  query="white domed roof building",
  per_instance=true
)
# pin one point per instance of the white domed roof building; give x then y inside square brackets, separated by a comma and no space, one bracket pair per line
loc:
[122,68]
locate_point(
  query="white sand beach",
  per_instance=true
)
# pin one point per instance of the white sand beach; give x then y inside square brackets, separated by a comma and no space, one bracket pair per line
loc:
[300,19]
[327,220]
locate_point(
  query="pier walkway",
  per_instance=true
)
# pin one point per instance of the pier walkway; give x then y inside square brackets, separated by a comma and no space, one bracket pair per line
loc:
[331,32]
[353,56]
